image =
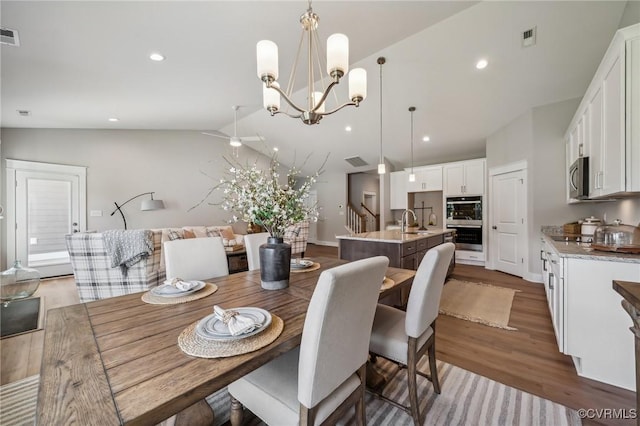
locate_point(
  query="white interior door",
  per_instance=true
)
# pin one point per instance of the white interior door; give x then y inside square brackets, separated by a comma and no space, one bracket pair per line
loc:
[47,201]
[508,198]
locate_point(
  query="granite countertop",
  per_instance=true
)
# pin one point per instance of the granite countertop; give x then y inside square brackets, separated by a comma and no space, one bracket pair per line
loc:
[394,236]
[584,251]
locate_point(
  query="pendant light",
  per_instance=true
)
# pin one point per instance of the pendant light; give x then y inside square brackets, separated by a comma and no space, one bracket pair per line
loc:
[412,176]
[381,166]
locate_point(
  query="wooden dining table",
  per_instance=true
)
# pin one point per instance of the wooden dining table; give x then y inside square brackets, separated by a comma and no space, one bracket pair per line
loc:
[117,361]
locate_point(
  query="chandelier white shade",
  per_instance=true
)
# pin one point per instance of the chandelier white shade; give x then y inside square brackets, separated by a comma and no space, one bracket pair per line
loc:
[337,66]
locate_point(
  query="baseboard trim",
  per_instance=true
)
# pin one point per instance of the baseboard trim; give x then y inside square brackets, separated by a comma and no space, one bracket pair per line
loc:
[534,278]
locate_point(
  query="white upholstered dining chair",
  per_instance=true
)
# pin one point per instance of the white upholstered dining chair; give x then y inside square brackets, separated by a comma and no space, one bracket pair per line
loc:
[195,258]
[252,243]
[404,337]
[317,382]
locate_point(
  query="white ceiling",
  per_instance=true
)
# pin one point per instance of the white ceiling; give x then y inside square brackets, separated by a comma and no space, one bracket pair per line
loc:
[81,62]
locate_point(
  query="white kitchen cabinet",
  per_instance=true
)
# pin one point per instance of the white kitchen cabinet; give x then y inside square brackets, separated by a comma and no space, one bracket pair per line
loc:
[427,179]
[596,326]
[606,125]
[398,190]
[464,178]
[588,320]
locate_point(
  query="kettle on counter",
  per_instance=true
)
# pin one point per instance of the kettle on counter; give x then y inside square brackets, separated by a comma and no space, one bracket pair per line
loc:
[589,225]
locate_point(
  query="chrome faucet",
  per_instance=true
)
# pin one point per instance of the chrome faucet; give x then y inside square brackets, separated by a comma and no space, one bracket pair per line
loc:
[403,220]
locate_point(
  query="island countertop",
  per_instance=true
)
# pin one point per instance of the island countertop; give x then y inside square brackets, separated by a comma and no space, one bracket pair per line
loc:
[394,236]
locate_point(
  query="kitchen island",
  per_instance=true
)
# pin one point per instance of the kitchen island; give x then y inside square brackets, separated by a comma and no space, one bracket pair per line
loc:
[404,250]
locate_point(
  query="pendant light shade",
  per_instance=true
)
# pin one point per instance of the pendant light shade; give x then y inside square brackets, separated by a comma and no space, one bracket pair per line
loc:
[412,175]
[381,167]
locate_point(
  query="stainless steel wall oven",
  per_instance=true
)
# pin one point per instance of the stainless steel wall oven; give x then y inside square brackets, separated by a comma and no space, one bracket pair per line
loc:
[464,214]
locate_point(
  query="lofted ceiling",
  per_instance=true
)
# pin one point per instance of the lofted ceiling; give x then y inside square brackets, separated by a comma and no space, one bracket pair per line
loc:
[82,62]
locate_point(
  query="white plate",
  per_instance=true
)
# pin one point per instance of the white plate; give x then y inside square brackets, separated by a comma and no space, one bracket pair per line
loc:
[303,264]
[212,328]
[165,291]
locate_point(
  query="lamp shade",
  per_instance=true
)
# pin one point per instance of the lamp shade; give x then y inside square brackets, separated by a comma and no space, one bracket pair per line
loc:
[270,97]
[267,59]
[358,84]
[151,205]
[316,97]
[337,53]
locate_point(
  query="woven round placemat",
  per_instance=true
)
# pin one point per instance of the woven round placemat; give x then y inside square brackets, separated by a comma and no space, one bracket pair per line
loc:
[387,284]
[152,299]
[192,344]
[313,267]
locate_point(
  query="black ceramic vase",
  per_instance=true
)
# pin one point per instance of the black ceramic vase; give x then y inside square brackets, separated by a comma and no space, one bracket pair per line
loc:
[275,264]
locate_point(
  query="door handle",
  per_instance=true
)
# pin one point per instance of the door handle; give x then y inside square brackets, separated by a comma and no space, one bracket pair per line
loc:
[494,227]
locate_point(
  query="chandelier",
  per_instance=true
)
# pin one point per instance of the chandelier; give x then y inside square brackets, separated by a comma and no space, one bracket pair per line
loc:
[337,65]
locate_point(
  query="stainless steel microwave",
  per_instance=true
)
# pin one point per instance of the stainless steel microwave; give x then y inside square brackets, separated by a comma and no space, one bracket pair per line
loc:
[579,179]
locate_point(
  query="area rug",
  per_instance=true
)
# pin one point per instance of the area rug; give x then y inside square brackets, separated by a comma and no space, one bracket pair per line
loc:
[466,398]
[478,302]
[18,402]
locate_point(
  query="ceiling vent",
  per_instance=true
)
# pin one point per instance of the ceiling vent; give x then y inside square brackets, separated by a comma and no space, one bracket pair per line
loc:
[24,113]
[356,161]
[529,37]
[9,37]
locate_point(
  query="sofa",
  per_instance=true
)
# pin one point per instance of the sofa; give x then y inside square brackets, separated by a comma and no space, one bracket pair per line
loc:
[297,236]
[96,279]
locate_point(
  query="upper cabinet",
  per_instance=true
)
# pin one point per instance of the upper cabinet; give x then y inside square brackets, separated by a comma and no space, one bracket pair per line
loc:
[464,178]
[606,126]
[427,179]
[398,190]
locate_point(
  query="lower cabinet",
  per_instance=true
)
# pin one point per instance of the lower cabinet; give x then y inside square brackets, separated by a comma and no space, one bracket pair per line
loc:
[588,320]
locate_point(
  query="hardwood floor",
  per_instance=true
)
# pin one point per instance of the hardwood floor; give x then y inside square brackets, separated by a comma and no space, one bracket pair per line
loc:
[527,359]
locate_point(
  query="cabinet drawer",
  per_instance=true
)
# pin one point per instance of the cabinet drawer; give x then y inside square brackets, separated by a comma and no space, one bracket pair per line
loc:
[434,241]
[409,248]
[422,244]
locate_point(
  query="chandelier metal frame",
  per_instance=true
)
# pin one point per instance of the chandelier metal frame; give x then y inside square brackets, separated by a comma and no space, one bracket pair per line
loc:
[315,100]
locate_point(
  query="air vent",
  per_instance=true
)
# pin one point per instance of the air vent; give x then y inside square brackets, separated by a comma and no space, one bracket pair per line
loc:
[9,37]
[529,37]
[24,113]
[356,161]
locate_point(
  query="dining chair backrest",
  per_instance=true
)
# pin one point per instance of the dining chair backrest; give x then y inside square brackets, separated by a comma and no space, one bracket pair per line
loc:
[195,258]
[424,298]
[337,328]
[252,243]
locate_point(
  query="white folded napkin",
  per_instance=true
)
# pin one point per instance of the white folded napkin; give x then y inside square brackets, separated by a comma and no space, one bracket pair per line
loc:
[180,284]
[237,323]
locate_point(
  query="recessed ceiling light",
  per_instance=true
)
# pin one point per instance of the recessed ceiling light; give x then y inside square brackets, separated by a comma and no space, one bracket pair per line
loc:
[482,64]
[113,119]
[347,129]
[275,148]
[156,57]
[426,139]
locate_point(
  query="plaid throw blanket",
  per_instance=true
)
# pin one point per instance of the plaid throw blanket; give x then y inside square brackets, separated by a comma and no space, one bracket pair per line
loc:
[126,248]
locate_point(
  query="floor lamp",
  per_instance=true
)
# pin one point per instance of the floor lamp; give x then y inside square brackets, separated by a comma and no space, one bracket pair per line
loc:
[144,206]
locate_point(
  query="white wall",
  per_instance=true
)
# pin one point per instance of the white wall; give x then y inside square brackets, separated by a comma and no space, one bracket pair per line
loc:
[537,137]
[360,182]
[180,166]
[332,201]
